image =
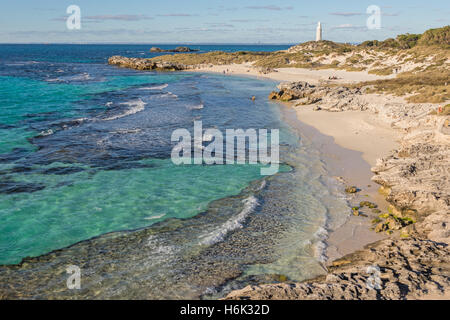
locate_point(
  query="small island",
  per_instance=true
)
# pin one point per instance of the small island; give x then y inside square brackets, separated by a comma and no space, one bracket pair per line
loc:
[177,49]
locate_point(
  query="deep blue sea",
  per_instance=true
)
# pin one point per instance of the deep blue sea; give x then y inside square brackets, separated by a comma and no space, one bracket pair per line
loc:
[85,170]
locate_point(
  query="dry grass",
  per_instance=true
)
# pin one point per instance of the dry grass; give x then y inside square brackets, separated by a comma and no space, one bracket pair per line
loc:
[217,57]
[382,71]
[428,86]
[427,82]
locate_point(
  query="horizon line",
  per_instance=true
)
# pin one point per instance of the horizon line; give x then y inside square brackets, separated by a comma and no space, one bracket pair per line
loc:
[158,43]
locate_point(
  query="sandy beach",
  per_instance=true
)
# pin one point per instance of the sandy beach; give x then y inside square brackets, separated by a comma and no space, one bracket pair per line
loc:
[292,74]
[345,161]
[379,142]
[352,143]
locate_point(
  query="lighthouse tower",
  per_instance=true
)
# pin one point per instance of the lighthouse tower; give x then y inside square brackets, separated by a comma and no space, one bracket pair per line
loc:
[319,32]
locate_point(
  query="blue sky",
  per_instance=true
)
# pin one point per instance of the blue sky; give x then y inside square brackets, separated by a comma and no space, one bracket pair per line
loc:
[214,21]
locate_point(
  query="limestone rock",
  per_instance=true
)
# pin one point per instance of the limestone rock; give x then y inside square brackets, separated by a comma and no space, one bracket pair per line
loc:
[144,64]
[409,269]
[177,49]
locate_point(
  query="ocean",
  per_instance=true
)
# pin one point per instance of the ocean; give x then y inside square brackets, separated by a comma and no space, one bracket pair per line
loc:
[86,179]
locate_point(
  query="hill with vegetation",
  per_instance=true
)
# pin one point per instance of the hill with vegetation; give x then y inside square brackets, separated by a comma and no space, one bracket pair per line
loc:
[418,64]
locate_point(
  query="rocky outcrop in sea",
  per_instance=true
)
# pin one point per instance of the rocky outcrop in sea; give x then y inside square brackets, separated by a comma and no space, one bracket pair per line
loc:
[177,49]
[145,64]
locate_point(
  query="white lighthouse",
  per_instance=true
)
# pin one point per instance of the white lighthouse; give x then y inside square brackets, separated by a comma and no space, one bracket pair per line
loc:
[319,32]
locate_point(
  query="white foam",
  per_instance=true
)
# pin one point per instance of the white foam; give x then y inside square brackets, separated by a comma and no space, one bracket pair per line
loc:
[234,223]
[46,133]
[155,217]
[262,185]
[155,87]
[125,131]
[157,248]
[135,107]
[78,77]
[168,95]
[196,107]
[321,245]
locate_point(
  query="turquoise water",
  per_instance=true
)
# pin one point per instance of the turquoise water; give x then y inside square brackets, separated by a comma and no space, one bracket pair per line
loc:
[71,209]
[80,157]
[86,179]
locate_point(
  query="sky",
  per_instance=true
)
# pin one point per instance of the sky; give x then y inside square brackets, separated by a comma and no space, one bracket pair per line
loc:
[214,21]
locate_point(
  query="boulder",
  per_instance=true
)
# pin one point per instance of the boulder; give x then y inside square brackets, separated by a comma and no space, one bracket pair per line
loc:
[351,189]
[381,227]
[274,95]
[156,49]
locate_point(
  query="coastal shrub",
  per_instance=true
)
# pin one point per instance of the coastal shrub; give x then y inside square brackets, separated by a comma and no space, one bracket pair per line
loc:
[445,110]
[438,36]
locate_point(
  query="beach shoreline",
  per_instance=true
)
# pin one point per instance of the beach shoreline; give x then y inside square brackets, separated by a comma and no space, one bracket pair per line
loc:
[348,166]
[372,129]
[290,74]
[350,143]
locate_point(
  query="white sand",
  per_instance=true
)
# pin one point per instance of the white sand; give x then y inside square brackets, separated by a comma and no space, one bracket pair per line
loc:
[293,74]
[354,130]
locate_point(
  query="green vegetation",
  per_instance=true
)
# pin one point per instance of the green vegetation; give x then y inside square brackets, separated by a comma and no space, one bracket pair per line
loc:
[403,41]
[439,36]
[368,204]
[432,37]
[376,220]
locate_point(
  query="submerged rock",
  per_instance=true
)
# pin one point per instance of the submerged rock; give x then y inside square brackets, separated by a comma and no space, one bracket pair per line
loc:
[351,189]
[368,204]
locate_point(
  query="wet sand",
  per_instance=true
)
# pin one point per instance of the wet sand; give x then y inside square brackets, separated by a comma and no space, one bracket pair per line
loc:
[350,143]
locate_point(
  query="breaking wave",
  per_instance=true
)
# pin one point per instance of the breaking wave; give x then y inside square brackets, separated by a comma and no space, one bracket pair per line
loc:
[155,87]
[135,107]
[321,245]
[234,223]
[75,78]
[196,107]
